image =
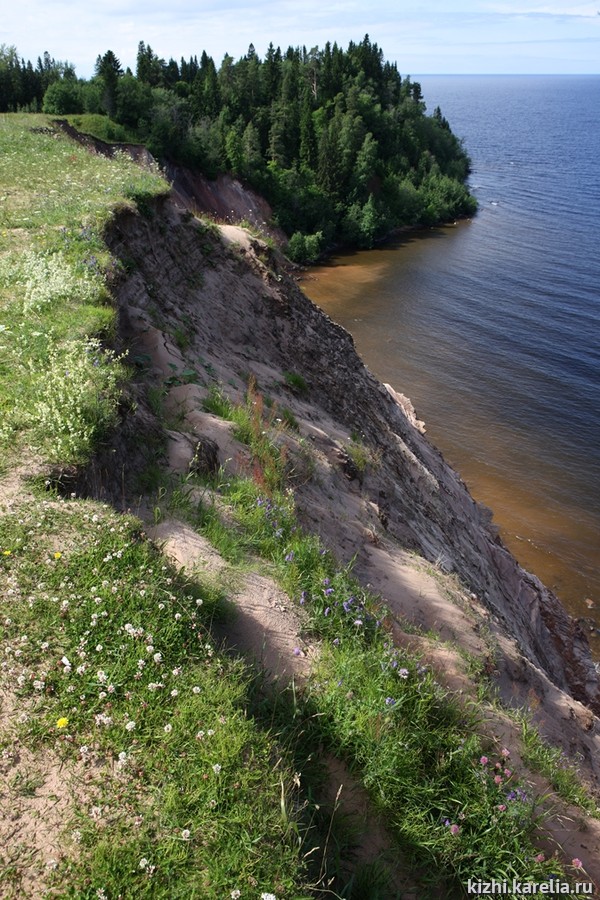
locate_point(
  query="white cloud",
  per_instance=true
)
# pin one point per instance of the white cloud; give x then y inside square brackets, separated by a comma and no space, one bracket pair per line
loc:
[558,10]
[421,35]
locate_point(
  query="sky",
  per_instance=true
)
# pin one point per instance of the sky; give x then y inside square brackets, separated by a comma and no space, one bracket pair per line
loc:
[421,36]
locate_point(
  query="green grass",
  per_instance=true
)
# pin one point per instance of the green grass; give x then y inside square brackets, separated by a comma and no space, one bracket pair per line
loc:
[454,801]
[555,766]
[104,128]
[111,658]
[361,456]
[296,382]
[59,386]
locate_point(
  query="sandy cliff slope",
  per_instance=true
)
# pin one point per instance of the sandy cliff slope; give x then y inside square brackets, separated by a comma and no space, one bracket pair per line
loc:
[221,306]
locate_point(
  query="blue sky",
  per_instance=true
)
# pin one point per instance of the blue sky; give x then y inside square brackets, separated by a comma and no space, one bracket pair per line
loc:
[422,36]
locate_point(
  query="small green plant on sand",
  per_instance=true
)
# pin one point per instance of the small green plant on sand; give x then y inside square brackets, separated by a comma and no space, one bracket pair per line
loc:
[296,382]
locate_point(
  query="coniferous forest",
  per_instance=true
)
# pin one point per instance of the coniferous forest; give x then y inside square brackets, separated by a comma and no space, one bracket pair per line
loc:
[337,140]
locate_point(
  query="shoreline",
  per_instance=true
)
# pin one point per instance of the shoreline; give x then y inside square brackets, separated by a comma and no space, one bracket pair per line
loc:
[339,291]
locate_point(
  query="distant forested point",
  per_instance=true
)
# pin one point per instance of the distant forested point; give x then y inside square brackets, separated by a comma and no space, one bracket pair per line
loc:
[337,140]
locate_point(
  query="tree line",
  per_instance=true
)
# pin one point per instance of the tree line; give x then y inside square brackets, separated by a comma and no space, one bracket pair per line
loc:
[337,140]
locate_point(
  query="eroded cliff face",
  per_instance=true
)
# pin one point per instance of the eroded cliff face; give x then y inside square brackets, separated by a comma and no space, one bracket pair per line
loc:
[220,303]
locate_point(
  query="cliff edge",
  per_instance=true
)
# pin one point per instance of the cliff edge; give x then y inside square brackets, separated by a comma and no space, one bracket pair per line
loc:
[204,306]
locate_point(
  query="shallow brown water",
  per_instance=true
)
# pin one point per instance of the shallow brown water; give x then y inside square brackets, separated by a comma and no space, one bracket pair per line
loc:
[394,302]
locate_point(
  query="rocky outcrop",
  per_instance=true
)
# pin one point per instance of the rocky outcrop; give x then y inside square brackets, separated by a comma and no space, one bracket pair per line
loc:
[237,313]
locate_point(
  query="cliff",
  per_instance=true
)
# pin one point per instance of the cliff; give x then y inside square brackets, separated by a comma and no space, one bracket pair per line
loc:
[221,306]
[233,372]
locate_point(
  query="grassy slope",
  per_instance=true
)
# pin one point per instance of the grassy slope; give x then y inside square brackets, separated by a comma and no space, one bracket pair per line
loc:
[107,650]
[139,679]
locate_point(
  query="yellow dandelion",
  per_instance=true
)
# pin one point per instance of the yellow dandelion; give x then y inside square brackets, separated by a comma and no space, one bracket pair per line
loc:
[57,555]
[62,722]
[7,553]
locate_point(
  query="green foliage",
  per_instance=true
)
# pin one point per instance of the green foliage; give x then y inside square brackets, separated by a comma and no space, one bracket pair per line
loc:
[360,455]
[218,403]
[305,248]
[336,140]
[556,767]
[108,70]
[22,85]
[77,400]
[296,382]
[63,97]
[102,127]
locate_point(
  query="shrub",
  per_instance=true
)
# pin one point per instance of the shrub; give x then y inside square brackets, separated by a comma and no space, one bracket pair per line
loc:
[78,394]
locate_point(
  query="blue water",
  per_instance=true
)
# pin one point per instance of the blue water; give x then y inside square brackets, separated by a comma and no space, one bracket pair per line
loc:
[492,327]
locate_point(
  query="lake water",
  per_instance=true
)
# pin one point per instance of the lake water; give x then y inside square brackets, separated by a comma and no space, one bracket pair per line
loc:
[492,326]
